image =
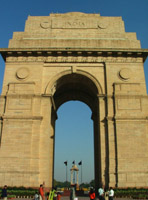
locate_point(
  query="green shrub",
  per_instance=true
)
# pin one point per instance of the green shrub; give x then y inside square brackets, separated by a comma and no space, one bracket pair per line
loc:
[20,191]
[136,193]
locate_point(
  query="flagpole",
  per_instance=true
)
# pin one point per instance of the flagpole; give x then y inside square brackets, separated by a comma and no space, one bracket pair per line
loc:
[81,173]
[66,162]
[80,163]
[73,172]
[66,173]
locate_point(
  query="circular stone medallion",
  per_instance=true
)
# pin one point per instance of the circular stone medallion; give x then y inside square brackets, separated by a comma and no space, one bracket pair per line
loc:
[22,73]
[102,24]
[45,25]
[125,74]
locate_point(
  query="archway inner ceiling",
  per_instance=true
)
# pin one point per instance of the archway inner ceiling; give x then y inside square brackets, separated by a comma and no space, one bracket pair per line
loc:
[75,87]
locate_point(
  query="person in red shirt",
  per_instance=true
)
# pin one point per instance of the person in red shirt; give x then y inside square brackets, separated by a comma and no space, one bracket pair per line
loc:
[92,194]
[58,196]
[41,192]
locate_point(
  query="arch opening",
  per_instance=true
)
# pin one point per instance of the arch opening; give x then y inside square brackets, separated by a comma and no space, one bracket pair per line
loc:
[77,87]
[74,142]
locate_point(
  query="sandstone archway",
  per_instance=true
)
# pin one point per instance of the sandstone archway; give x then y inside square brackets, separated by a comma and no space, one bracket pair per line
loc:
[74,56]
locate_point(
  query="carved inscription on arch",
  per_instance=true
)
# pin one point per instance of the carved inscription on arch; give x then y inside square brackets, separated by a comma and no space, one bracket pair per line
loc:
[74,23]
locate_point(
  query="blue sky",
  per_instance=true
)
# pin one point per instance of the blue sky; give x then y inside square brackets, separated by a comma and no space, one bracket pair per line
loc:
[74,129]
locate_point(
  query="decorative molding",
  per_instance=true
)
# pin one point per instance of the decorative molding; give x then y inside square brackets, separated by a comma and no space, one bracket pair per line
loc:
[71,54]
[73,59]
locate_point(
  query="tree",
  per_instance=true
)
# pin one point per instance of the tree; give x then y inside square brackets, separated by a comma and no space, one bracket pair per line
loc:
[60,184]
[92,183]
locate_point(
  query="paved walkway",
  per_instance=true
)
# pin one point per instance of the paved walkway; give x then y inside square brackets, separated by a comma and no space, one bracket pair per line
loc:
[67,198]
[87,198]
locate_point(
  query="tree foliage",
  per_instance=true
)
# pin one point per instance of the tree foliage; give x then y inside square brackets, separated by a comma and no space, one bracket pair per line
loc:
[60,184]
[66,184]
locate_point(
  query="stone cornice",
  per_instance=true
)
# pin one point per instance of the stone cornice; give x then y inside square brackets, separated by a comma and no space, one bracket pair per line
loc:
[126,118]
[21,117]
[99,95]
[84,52]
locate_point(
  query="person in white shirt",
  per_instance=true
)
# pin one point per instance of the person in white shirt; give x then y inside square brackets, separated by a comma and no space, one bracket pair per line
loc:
[101,193]
[110,193]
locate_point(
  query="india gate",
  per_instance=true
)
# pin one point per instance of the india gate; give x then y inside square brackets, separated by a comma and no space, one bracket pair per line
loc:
[74,56]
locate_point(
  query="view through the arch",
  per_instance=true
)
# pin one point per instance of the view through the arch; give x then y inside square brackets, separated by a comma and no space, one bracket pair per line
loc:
[74,142]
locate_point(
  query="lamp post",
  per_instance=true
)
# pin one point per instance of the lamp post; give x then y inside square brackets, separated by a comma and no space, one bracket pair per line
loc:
[66,162]
[80,163]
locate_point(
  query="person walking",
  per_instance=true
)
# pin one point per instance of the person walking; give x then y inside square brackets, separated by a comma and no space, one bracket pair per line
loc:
[52,194]
[101,193]
[4,192]
[92,194]
[41,192]
[110,193]
[72,193]
[58,196]
[36,196]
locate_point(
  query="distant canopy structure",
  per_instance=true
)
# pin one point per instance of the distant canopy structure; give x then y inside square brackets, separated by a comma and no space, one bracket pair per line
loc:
[74,175]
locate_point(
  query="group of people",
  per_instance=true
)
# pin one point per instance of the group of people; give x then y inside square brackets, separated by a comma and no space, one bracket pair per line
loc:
[41,196]
[50,195]
[102,194]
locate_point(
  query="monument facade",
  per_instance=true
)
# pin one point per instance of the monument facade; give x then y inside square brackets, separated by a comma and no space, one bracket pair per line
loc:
[74,56]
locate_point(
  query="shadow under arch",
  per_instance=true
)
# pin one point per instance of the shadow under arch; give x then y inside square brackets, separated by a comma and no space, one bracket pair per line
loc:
[51,85]
[79,86]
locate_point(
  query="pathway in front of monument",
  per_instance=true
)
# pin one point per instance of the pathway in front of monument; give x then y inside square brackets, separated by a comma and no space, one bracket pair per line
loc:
[67,198]
[87,198]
